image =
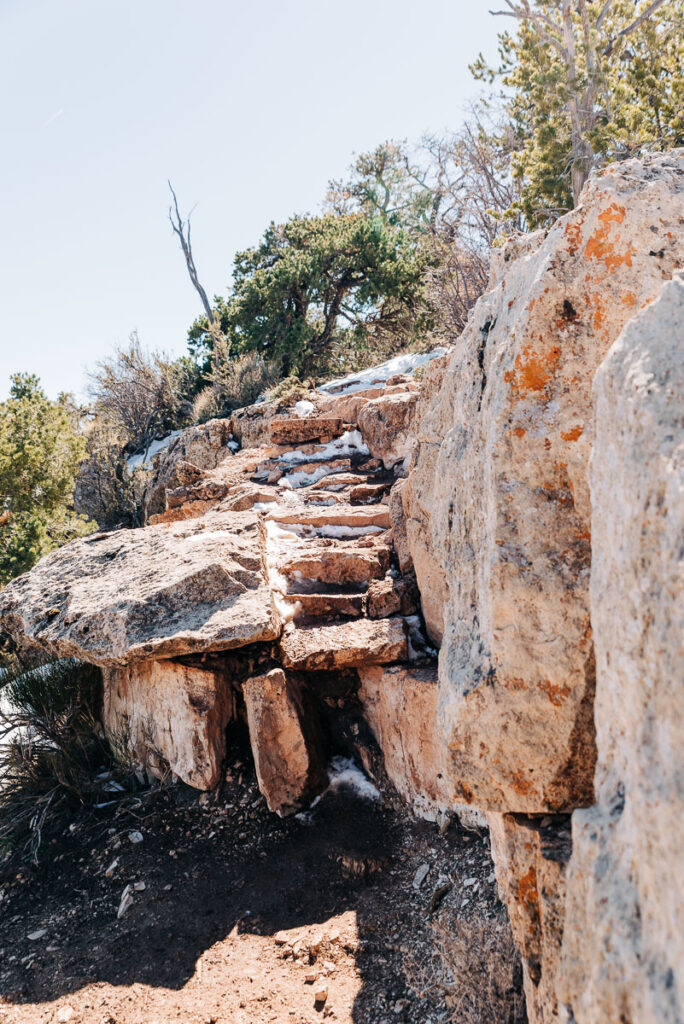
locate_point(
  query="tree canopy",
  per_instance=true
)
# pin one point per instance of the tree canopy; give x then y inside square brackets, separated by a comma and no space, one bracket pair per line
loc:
[316,284]
[586,83]
[40,450]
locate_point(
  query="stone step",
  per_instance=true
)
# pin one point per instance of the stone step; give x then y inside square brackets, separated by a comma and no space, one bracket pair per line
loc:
[328,606]
[368,494]
[342,480]
[338,565]
[344,645]
[299,431]
[340,515]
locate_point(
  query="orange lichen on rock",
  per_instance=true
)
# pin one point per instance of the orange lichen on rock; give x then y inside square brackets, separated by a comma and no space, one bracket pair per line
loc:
[557,694]
[574,434]
[534,369]
[528,890]
[600,247]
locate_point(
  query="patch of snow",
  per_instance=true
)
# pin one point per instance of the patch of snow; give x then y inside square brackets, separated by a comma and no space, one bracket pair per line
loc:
[145,458]
[234,446]
[347,444]
[301,478]
[264,506]
[304,408]
[377,376]
[344,774]
[333,530]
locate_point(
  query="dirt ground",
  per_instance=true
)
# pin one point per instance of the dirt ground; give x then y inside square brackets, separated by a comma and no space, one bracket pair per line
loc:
[238,917]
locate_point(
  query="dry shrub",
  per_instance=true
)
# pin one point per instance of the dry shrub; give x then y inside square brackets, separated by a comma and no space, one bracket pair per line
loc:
[236,383]
[54,759]
[474,968]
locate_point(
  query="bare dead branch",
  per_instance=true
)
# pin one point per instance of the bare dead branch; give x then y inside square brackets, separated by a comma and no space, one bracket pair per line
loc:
[182,229]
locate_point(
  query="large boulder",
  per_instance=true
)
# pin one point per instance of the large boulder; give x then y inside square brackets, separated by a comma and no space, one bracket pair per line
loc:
[190,454]
[623,954]
[169,716]
[285,742]
[158,592]
[385,424]
[497,501]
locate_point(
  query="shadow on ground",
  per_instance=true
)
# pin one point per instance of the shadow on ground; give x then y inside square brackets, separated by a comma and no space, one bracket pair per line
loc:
[209,870]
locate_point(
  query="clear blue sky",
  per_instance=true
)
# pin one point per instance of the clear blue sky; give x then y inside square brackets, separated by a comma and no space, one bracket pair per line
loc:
[249,107]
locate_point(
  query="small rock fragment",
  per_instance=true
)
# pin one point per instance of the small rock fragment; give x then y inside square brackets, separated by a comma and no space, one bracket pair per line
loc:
[39,934]
[126,902]
[135,837]
[321,994]
[420,875]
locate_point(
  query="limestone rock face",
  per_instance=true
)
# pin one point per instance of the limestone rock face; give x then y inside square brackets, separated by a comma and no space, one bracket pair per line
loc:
[497,501]
[385,423]
[623,954]
[195,450]
[285,743]
[530,858]
[158,592]
[165,713]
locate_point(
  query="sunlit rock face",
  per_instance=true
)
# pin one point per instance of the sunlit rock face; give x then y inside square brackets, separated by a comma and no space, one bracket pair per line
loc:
[169,716]
[285,740]
[497,501]
[624,942]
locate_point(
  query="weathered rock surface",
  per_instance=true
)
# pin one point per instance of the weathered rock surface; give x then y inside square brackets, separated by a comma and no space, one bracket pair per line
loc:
[300,431]
[194,451]
[348,645]
[168,714]
[285,742]
[158,592]
[499,515]
[623,952]
[530,858]
[385,423]
[392,596]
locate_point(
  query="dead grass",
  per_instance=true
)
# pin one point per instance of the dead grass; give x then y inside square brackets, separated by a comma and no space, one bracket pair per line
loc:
[54,757]
[474,968]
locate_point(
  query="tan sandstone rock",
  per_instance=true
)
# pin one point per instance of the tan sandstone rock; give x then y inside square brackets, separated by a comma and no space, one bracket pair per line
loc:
[385,424]
[285,743]
[195,450]
[300,431]
[164,713]
[623,954]
[400,704]
[499,516]
[530,858]
[158,592]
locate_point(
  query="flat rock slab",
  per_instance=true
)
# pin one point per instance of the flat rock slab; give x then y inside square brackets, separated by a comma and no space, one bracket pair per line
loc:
[298,431]
[338,565]
[158,592]
[347,645]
